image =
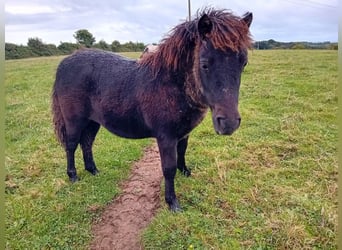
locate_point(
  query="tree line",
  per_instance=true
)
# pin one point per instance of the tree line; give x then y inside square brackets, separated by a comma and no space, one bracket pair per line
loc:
[35,47]
[84,39]
[272,44]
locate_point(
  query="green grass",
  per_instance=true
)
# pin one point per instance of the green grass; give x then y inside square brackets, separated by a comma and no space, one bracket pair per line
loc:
[272,185]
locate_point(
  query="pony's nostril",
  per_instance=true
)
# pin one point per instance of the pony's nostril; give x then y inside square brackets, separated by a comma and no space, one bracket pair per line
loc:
[220,120]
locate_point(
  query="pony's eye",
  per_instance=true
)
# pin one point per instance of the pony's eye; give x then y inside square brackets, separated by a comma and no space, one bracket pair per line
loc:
[205,66]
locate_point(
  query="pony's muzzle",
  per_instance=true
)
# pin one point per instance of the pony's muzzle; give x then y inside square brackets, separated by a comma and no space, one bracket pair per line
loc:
[226,126]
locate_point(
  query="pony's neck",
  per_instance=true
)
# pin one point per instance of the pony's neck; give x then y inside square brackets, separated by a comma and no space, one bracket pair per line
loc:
[194,91]
[192,82]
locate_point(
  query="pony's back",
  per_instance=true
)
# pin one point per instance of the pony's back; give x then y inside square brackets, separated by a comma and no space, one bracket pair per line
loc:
[88,66]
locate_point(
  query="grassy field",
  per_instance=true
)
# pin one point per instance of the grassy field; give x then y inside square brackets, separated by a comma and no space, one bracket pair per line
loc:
[272,185]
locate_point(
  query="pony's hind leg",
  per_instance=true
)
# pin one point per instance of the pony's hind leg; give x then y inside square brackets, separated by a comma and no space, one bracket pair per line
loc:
[87,138]
[72,141]
[73,132]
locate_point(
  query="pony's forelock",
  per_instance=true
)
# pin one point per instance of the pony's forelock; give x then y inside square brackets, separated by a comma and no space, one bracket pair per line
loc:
[176,50]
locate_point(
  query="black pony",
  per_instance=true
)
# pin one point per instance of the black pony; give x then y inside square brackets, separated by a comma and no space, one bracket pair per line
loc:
[163,95]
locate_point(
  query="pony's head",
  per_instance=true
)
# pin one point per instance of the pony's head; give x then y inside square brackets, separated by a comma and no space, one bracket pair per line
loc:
[221,58]
[210,52]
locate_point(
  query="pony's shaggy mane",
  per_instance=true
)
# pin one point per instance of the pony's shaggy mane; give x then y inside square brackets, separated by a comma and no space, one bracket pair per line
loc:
[176,50]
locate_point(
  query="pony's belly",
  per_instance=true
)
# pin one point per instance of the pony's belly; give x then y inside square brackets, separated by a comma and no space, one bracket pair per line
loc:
[131,134]
[128,129]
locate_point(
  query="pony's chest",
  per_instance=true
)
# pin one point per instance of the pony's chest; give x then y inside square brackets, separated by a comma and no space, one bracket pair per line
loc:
[166,110]
[187,121]
[190,120]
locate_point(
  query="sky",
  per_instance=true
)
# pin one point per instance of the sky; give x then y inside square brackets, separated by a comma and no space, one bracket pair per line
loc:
[56,21]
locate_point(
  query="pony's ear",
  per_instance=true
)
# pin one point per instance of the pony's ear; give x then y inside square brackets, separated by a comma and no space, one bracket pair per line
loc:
[247,18]
[204,25]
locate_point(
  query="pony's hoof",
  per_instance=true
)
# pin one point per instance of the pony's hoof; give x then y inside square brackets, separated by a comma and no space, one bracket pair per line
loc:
[93,171]
[175,207]
[186,172]
[74,179]
[73,176]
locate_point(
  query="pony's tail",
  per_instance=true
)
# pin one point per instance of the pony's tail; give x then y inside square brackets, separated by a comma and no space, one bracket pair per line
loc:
[58,120]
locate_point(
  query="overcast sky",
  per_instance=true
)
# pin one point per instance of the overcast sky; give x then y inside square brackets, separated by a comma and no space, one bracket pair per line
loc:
[148,21]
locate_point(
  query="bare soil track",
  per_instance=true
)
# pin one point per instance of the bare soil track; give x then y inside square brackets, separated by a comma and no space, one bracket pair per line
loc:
[124,219]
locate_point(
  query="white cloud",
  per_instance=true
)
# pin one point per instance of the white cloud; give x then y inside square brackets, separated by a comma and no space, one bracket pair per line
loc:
[32,9]
[28,9]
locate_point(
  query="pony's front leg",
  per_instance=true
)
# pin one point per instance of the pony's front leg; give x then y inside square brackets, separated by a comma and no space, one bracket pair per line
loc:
[168,156]
[181,149]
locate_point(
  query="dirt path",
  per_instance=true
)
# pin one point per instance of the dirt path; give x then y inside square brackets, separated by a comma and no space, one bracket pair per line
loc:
[123,220]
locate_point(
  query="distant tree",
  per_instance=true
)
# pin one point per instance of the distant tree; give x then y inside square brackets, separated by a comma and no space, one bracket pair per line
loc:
[52,49]
[84,37]
[298,46]
[13,51]
[141,46]
[131,46]
[102,45]
[36,45]
[115,46]
[332,46]
[263,45]
[40,49]
[67,48]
